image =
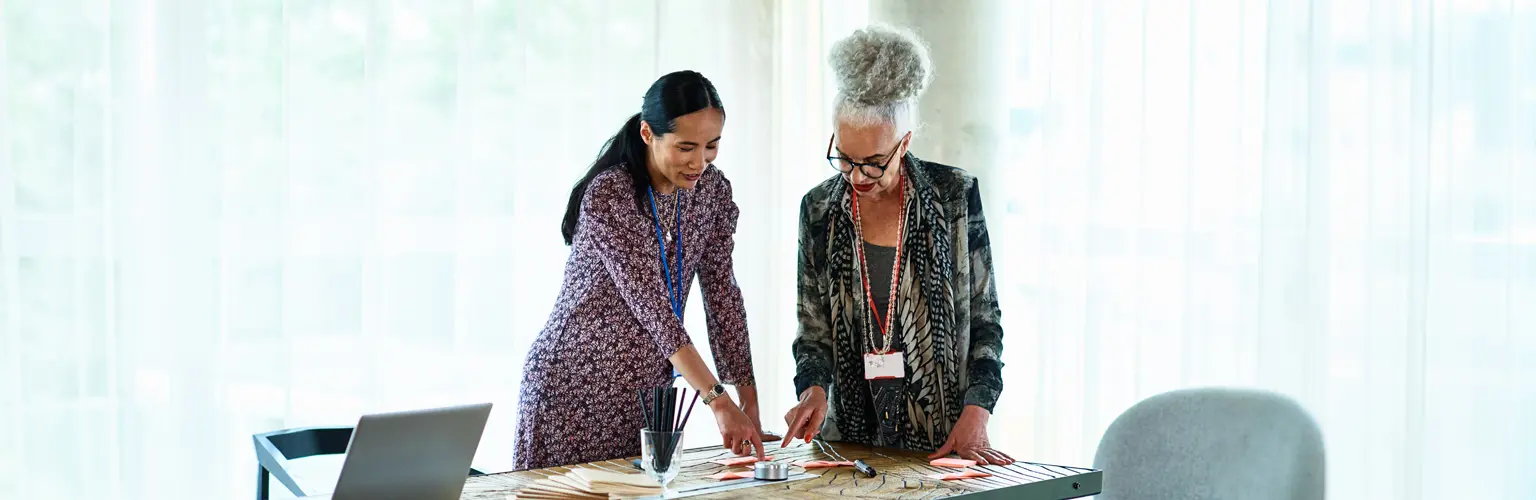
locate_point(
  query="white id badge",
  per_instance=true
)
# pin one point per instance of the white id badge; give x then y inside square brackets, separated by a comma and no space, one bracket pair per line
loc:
[880,366]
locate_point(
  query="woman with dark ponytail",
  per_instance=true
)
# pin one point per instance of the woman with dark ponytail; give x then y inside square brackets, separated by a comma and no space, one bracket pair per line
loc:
[650,214]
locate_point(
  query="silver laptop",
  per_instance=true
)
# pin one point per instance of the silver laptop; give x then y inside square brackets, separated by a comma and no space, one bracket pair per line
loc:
[415,455]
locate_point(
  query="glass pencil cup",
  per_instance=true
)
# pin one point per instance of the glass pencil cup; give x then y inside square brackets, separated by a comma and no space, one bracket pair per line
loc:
[661,455]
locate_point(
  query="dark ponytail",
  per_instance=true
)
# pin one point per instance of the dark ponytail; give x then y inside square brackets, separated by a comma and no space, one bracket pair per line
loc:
[673,95]
[624,148]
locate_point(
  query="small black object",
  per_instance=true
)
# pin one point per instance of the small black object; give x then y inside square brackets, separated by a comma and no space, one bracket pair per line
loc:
[863,467]
[826,448]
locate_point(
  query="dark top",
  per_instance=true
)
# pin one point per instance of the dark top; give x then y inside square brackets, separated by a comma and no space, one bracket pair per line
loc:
[880,259]
[887,410]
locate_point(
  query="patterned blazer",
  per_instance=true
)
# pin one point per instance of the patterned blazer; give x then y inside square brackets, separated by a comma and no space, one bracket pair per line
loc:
[947,308]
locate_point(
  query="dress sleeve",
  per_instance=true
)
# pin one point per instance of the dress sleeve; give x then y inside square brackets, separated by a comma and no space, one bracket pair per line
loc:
[723,308]
[985,366]
[612,225]
[812,347]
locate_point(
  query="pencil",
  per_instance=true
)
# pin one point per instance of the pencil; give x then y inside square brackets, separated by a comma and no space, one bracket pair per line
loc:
[645,413]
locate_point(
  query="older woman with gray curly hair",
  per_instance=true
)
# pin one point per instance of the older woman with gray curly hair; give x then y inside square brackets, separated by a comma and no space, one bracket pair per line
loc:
[899,342]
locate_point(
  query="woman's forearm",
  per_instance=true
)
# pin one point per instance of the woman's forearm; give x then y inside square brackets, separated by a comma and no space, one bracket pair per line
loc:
[696,372]
[748,395]
[688,362]
[691,365]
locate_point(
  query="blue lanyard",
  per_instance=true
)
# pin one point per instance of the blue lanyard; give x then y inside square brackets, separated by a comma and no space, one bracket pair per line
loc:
[674,289]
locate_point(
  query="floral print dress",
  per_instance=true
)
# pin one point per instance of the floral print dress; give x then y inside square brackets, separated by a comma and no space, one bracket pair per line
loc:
[613,327]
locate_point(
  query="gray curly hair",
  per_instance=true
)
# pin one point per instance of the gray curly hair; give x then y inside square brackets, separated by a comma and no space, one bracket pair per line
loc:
[881,71]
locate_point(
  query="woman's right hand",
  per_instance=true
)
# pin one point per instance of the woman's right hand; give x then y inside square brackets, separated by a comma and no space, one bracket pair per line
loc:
[804,419]
[738,431]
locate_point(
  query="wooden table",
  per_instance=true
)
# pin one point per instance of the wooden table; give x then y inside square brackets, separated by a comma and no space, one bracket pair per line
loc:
[901,475]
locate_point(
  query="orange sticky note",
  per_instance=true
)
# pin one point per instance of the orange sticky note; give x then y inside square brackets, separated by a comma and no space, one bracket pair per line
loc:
[732,462]
[968,474]
[822,464]
[953,463]
[728,476]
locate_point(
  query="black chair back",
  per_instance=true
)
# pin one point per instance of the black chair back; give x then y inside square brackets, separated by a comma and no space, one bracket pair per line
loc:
[275,449]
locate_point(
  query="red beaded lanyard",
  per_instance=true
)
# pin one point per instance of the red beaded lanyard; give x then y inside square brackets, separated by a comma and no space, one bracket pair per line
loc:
[858,246]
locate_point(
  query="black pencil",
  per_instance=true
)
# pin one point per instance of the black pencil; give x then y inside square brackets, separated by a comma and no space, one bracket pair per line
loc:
[677,417]
[665,448]
[680,427]
[677,438]
[667,417]
[645,413]
[656,395]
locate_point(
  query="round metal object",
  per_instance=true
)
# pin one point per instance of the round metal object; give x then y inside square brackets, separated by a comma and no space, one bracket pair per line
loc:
[771,471]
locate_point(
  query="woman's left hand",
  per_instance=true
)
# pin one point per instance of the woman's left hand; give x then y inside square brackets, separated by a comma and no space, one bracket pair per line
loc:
[969,439]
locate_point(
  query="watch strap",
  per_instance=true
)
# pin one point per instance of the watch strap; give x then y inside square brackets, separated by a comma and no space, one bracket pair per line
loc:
[713,394]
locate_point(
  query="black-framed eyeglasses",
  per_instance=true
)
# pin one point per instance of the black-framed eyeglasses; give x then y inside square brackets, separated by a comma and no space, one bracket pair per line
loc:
[845,164]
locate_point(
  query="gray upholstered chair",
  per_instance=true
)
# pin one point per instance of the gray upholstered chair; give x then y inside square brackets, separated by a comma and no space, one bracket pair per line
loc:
[1213,443]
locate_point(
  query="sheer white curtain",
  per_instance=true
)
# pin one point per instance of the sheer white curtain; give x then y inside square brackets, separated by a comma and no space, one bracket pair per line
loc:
[229,216]
[226,217]
[1333,200]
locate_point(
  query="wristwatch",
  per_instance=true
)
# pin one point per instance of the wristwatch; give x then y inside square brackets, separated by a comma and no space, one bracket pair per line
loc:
[714,393]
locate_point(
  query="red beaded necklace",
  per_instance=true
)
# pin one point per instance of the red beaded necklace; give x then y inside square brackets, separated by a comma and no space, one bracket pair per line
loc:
[858,249]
